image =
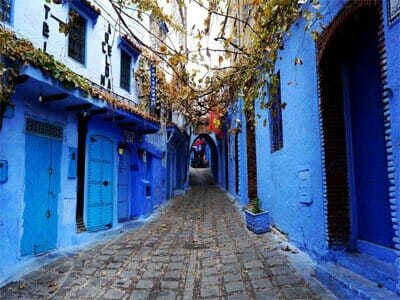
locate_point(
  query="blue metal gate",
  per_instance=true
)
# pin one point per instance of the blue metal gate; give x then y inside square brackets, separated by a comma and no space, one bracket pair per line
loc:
[100,181]
[124,185]
[42,186]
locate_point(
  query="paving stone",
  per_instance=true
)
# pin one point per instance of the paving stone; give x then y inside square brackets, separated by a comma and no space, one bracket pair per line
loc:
[175,266]
[167,295]
[232,277]
[154,266]
[288,279]
[209,280]
[235,286]
[209,271]
[267,294]
[152,274]
[210,291]
[144,284]
[297,292]
[235,268]
[261,283]
[114,294]
[238,297]
[253,264]
[281,270]
[208,262]
[140,294]
[173,275]
[169,285]
[153,262]
[177,258]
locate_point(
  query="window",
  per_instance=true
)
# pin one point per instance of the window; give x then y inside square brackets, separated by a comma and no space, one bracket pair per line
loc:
[77,37]
[5,11]
[125,78]
[275,114]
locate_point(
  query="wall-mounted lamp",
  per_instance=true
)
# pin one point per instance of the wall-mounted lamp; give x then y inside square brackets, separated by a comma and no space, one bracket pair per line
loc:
[40,98]
[142,154]
[121,148]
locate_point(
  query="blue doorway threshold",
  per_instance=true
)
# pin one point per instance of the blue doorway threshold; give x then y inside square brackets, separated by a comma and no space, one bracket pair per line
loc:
[359,276]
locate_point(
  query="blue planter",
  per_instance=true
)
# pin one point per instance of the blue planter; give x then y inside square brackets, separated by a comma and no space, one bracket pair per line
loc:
[258,223]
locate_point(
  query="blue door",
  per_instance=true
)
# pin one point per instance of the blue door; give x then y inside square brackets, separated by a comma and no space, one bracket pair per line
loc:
[124,180]
[42,186]
[369,165]
[100,183]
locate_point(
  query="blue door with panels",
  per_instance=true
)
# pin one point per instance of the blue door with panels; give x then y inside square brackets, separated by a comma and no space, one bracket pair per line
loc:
[124,180]
[100,183]
[42,186]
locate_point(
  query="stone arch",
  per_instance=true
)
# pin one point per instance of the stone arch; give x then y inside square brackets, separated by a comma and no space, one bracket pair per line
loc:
[212,142]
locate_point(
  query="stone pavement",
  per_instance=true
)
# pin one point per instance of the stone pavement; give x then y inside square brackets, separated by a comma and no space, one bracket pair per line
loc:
[198,248]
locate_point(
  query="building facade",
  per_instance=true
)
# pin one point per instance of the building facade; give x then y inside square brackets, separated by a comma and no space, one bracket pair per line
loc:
[77,155]
[327,164]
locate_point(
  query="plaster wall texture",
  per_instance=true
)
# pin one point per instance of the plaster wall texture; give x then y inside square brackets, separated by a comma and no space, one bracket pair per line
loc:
[232,164]
[12,191]
[279,172]
[242,140]
[392,39]
[27,22]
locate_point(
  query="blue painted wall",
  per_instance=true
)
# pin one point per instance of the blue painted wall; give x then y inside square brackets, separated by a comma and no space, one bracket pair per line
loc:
[27,22]
[279,173]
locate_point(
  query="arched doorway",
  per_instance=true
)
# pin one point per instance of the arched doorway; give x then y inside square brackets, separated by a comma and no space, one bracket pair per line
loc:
[212,161]
[355,158]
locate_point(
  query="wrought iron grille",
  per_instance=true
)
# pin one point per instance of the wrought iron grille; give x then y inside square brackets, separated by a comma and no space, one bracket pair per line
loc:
[43,129]
[275,117]
[125,78]
[5,10]
[77,37]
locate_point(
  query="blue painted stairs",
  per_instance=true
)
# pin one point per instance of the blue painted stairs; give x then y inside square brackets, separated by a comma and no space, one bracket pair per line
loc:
[347,284]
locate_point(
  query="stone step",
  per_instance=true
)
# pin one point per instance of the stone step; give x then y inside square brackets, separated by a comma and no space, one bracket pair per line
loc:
[371,268]
[348,285]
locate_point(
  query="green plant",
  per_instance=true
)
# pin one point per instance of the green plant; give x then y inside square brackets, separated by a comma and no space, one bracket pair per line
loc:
[20,52]
[256,204]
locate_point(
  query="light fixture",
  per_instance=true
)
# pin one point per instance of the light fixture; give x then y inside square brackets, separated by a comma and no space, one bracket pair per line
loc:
[121,148]
[40,98]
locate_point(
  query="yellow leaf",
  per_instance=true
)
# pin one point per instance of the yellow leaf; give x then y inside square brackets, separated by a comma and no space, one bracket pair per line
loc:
[220,59]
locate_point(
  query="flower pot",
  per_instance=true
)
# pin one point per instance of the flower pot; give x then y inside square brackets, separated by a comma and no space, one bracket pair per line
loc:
[257,223]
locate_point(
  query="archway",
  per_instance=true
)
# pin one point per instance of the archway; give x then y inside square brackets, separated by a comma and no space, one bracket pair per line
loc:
[353,125]
[204,156]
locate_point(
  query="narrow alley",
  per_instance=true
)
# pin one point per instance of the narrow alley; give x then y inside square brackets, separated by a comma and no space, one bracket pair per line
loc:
[198,248]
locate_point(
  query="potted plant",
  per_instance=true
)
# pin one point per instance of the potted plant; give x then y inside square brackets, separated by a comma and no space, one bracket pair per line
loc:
[257,220]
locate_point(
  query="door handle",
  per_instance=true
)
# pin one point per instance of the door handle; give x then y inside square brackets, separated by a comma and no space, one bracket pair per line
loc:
[105,183]
[48,214]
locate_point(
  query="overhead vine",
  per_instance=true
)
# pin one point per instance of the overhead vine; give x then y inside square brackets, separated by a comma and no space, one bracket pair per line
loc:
[251,34]
[19,52]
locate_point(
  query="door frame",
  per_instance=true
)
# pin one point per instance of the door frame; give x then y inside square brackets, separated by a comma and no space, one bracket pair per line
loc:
[387,253]
[52,140]
[114,177]
[128,152]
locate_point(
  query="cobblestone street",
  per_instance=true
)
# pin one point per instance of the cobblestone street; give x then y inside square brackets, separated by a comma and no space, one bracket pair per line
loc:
[198,248]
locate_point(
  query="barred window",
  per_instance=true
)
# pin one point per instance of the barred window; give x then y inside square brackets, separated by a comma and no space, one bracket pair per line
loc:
[77,37]
[275,115]
[5,10]
[125,78]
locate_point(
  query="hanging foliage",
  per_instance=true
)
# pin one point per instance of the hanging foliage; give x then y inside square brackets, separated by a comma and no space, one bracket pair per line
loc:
[19,52]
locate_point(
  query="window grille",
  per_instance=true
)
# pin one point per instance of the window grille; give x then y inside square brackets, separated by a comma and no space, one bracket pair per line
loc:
[275,117]
[43,129]
[125,78]
[5,10]
[77,37]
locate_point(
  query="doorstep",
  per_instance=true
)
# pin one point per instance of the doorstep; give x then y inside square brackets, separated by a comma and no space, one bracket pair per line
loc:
[346,284]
